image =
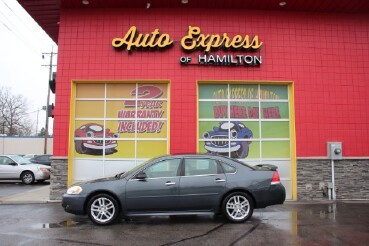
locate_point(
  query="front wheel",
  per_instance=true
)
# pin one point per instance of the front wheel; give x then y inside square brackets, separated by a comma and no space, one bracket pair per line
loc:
[238,207]
[103,209]
[28,178]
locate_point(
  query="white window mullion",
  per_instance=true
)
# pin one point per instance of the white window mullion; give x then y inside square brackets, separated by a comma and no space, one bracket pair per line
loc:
[260,142]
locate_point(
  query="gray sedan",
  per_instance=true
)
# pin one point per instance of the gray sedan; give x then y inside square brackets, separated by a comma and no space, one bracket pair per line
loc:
[178,185]
[14,167]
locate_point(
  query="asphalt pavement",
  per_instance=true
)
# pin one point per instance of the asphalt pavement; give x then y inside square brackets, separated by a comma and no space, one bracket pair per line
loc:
[340,223]
[29,218]
[14,192]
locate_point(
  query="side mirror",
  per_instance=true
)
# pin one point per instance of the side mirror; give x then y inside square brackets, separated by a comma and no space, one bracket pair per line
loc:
[13,164]
[141,176]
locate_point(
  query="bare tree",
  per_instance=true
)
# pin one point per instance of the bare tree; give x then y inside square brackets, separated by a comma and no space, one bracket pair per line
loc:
[14,119]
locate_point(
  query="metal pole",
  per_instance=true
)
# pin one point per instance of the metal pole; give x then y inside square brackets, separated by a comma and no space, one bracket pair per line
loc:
[48,101]
[333,186]
[38,111]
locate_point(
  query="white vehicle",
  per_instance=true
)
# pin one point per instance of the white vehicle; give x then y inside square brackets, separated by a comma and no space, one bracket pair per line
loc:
[14,167]
[29,156]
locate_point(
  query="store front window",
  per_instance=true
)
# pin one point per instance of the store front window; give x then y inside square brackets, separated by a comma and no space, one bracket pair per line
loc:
[117,126]
[249,122]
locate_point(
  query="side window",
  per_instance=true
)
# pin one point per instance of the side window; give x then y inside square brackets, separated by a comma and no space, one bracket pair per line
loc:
[162,169]
[228,168]
[5,160]
[200,167]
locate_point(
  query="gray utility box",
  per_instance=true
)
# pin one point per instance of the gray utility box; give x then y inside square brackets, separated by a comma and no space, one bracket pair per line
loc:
[334,150]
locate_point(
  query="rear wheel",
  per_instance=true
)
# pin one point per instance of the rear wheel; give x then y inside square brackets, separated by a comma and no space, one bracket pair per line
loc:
[80,148]
[238,207]
[28,178]
[103,209]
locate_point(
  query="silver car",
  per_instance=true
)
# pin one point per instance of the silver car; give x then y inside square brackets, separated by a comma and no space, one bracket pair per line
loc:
[14,167]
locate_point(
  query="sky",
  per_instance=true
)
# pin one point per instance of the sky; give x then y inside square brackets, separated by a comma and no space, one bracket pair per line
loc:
[22,42]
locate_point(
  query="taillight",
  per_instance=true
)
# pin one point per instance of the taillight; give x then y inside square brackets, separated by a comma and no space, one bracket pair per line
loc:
[275,178]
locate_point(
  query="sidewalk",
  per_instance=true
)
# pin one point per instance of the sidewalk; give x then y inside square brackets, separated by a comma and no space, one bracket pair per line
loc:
[39,195]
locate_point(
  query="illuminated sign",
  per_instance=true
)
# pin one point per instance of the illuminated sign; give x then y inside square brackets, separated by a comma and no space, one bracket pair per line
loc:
[134,40]
[195,40]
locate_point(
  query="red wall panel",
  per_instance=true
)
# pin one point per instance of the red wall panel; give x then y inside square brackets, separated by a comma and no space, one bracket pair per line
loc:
[326,55]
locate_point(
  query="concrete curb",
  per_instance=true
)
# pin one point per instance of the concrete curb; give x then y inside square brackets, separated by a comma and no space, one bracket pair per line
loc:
[28,202]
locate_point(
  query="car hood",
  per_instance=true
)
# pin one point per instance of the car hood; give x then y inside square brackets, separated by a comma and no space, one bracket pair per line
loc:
[96,181]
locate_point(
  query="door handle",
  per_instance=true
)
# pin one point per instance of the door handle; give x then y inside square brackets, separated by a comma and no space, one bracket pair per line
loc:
[219,180]
[170,183]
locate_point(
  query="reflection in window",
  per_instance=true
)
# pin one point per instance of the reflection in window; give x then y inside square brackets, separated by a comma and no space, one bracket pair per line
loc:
[228,168]
[200,167]
[167,168]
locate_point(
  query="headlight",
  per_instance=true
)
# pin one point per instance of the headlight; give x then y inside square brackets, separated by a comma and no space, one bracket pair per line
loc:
[74,190]
[233,134]
[206,135]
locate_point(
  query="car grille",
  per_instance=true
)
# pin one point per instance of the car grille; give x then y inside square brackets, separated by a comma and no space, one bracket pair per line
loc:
[101,141]
[219,141]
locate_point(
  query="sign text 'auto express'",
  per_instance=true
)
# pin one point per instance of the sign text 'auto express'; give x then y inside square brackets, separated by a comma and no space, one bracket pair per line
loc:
[196,40]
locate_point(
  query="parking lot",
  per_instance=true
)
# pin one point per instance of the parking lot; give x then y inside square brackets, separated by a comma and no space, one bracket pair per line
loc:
[341,223]
[17,192]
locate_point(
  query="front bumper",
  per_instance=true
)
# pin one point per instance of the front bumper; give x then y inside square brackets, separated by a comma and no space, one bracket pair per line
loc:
[74,204]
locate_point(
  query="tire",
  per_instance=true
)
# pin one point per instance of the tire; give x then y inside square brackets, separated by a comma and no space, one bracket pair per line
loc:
[243,151]
[80,148]
[27,177]
[238,207]
[103,209]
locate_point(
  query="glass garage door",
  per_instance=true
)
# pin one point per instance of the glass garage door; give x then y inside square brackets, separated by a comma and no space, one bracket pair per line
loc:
[249,122]
[116,125]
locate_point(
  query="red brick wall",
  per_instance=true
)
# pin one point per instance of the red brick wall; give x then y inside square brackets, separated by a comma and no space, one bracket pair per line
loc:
[326,55]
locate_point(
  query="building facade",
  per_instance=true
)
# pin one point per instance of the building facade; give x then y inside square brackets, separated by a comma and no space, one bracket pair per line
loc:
[269,84]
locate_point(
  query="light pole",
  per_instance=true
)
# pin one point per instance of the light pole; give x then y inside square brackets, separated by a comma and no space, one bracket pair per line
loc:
[48,95]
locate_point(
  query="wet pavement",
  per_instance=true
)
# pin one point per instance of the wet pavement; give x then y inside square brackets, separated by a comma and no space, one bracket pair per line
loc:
[14,192]
[341,223]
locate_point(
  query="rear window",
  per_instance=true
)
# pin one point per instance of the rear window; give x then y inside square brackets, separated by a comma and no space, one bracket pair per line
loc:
[228,168]
[239,162]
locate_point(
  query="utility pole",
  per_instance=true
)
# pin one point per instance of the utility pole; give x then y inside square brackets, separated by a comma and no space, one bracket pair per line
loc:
[48,95]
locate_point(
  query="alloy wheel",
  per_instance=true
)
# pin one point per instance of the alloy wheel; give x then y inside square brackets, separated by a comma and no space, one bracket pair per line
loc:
[238,207]
[103,210]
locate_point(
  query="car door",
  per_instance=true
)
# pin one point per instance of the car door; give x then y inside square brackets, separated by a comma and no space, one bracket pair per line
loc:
[8,168]
[158,191]
[201,185]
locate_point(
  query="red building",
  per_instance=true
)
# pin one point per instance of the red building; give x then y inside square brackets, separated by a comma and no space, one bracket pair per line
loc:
[266,81]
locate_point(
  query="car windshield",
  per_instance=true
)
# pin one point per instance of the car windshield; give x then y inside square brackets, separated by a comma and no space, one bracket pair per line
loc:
[135,169]
[96,128]
[21,160]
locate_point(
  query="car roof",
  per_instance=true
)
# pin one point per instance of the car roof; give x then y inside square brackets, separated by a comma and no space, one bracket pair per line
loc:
[184,155]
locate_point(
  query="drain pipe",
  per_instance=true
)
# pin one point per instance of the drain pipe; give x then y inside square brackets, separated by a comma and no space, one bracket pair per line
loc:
[333,186]
[334,150]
